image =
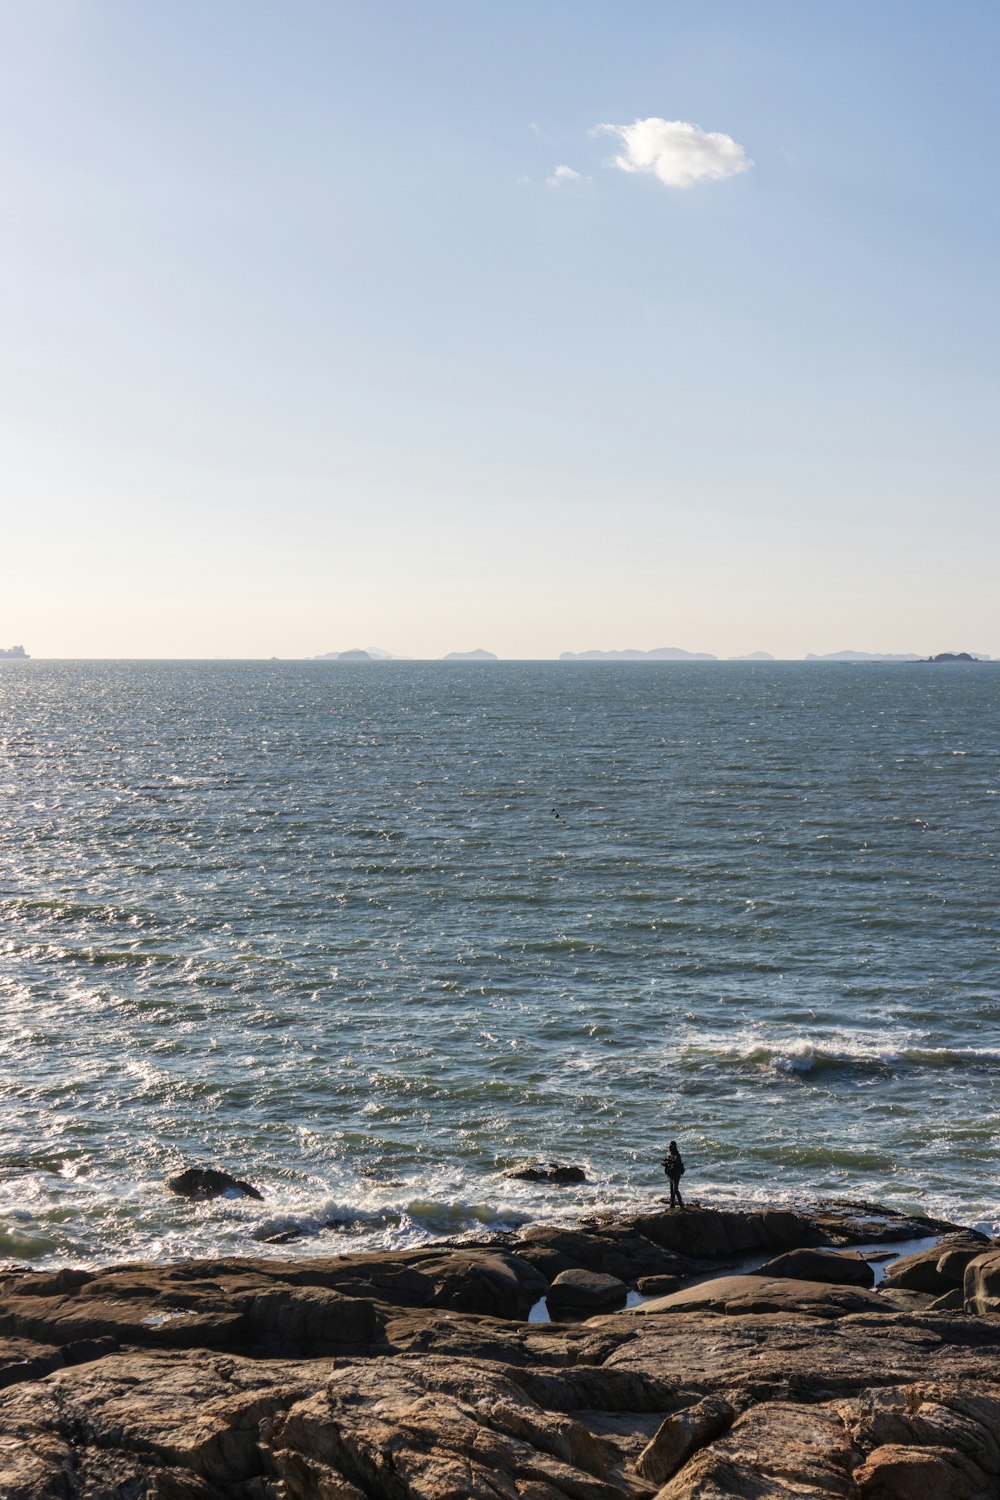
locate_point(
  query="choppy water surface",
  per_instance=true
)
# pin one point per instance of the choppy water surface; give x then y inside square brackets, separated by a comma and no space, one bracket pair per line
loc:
[369,934]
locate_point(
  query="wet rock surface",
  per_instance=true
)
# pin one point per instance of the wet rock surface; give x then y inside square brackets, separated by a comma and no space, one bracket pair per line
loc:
[553,1172]
[415,1376]
[209,1182]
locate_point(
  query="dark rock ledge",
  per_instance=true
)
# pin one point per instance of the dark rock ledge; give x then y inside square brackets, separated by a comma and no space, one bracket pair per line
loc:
[414,1376]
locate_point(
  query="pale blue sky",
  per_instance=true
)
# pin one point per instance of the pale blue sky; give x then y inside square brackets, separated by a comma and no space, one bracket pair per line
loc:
[302,351]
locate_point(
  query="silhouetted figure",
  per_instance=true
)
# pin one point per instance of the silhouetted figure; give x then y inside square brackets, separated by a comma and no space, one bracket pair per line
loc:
[674,1168]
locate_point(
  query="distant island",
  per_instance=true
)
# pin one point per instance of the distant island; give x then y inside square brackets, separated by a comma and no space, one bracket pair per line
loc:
[370,653]
[376,654]
[910,656]
[863,656]
[659,653]
[14,653]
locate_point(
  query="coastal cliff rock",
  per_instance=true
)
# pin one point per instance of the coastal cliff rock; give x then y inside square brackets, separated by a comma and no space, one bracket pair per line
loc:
[414,1376]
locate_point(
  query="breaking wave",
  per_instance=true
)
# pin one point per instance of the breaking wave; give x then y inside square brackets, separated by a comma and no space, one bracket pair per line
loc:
[813,1056]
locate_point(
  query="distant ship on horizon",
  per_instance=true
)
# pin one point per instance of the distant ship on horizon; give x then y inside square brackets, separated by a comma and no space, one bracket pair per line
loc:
[14,653]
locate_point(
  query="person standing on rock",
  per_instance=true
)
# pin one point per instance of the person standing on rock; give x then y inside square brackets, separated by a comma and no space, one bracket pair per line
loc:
[674,1168]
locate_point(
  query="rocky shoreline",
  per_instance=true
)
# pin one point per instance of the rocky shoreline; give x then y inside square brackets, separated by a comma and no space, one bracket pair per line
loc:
[426,1375]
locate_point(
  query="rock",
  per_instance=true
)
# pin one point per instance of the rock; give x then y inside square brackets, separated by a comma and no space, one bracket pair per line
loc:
[899,1473]
[843,1222]
[206,1182]
[23,1359]
[411,1376]
[938,1268]
[321,1305]
[794,1356]
[928,1440]
[658,1286]
[982,1283]
[612,1249]
[592,1388]
[952,1301]
[900,1299]
[552,1173]
[682,1434]
[955,1258]
[432,1428]
[585,1292]
[176,1308]
[918,1273]
[775,1450]
[541,1346]
[106,1429]
[764,1294]
[717,1233]
[480,1282]
[840,1267]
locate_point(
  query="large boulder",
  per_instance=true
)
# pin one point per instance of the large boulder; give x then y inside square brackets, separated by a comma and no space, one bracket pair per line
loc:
[481,1282]
[938,1268]
[717,1233]
[554,1172]
[584,1292]
[841,1267]
[208,1182]
[613,1249]
[658,1286]
[982,1283]
[734,1295]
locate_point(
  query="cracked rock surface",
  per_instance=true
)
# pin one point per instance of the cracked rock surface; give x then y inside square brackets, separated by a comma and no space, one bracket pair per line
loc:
[416,1376]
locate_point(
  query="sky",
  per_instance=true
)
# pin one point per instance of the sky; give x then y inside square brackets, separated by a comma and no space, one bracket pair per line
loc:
[536,326]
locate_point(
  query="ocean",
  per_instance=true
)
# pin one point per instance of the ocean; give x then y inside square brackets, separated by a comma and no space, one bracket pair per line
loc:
[368,935]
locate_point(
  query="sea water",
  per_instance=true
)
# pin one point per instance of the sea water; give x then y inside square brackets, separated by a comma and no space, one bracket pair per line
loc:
[369,934]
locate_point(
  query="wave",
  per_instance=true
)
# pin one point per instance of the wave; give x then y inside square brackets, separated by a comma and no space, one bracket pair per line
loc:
[24,1245]
[411,1222]
[103,1223]
[800,1055]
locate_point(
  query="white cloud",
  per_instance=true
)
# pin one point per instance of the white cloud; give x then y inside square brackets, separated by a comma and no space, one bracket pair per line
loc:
[563,174]
[677,153]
